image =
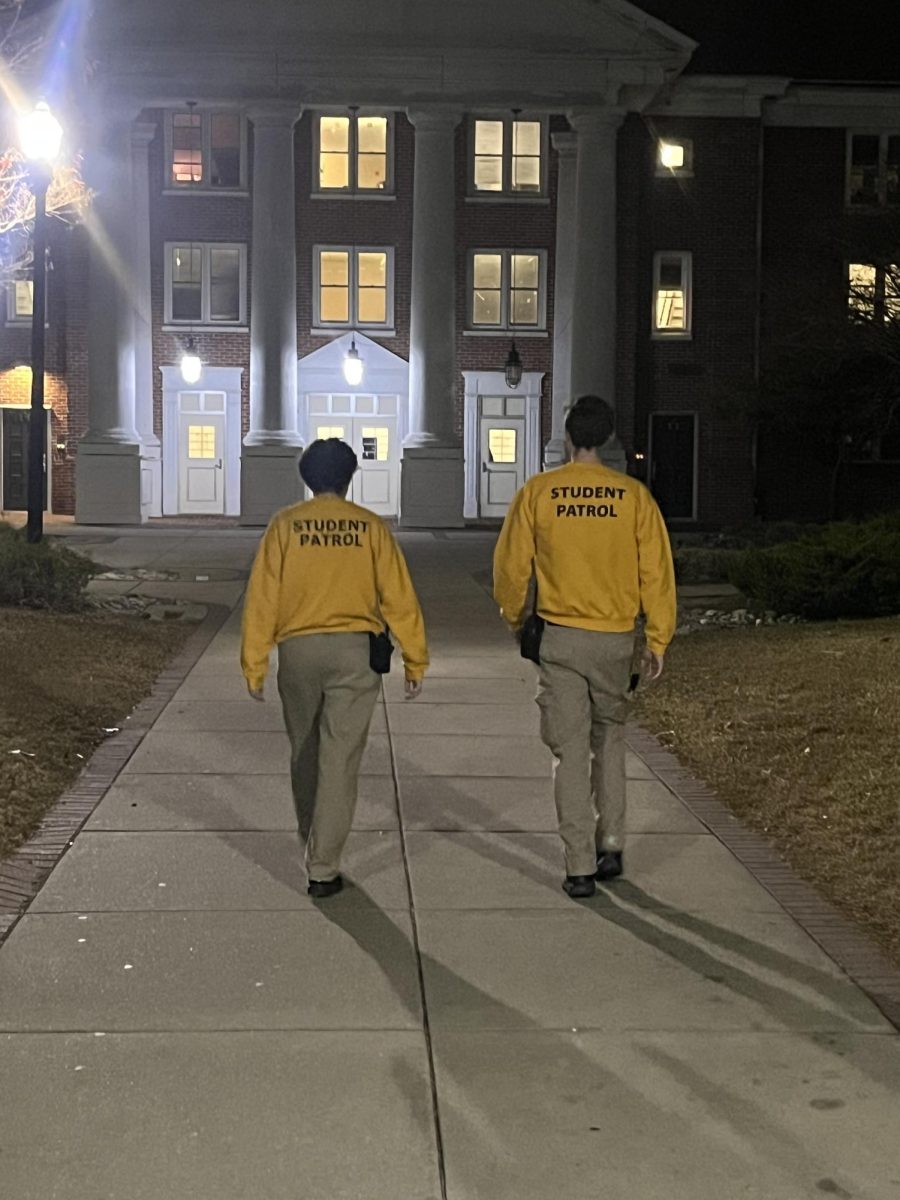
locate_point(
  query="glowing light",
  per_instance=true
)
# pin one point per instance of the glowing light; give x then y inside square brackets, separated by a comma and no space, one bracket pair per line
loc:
[671,155]
[40,134]
[353,366]
[191,363]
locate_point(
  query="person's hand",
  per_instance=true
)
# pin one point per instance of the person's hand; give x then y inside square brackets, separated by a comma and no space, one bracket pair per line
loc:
[256,693]
[413,688]
[653,664]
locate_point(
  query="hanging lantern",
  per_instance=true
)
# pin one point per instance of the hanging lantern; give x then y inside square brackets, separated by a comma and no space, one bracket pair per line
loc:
[513,370]
[353,365]
[191,363]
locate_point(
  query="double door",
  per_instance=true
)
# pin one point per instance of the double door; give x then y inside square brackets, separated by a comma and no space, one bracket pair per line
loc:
[374,438]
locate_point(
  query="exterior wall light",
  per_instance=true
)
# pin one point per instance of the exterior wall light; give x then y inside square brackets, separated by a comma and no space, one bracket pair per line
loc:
[512,371]
[353,365]
[671,155]
[191,363]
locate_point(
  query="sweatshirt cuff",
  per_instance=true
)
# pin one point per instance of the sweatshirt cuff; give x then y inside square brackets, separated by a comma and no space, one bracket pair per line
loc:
[657,647]
[255,682]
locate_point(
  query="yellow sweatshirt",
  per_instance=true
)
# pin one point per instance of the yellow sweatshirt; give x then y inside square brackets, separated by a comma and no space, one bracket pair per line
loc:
[596,542]
[328,566]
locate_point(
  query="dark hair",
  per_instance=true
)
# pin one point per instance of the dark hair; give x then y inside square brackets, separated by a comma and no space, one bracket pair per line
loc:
[590,423]
[328,466]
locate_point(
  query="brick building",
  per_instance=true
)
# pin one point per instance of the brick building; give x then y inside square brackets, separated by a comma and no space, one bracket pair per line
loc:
[274,194]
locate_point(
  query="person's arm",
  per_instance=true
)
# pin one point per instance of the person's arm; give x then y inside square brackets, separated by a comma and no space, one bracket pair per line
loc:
[399,605]
[260,618]
[514,561]
[656,573]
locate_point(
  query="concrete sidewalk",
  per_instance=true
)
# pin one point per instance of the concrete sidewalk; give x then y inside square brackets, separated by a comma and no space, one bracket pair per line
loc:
[180,1022]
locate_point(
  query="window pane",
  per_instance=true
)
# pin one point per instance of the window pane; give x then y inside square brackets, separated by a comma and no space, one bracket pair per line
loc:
[201,441]
[334,152]
[526,161]
[324,432]
[375,444]
[488,174]
[186,283]
[335,304]
[486,307]
[225,155]
[525,270]
[24,298]
[862,277]
[864,170]
[892,293]
[489,137]
[526,174]
[892,176]
[524,307]
[334,266]
[372,293]
[371,171]
[372,306]
[670,273]
[527,138]
[187,152]
[371,135]
[670,309]
[372,268]
[224,284]
[502,445]
[487,270]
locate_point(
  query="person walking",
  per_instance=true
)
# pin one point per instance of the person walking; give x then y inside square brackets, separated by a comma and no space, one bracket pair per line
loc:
[595,544]
[327,579]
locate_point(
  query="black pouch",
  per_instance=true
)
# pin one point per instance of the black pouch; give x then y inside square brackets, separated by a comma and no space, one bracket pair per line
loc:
[530,638]
[380,650]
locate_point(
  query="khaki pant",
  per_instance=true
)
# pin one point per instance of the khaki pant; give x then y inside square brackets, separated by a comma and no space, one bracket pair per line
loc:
[328,693]
[584,704]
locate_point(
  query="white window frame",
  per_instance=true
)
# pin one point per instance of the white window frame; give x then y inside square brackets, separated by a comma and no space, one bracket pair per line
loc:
[204,321]
[204,187]
[505,327]
[353,188]
[506,195]
[354,322]
[881,182]
[687,279]
[685,172]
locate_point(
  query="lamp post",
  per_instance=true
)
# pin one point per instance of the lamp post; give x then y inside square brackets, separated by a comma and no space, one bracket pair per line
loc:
[40,135]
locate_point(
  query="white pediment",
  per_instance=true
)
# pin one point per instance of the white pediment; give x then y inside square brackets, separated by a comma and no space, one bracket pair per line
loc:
[383,371]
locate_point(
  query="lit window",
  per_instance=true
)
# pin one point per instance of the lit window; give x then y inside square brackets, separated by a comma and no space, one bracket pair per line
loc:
[206,150]
[508,156]
[672,294]
[674,156]
[354,286]
[508,289]
[873,292]
[19,301]
[502,445]
[354,153]
[202,441]
[873,169]
[324,432]
[206,283]
[375,444]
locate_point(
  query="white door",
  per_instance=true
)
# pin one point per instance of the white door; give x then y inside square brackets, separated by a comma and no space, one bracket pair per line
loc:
[502,463]
[374,439]
[201,477]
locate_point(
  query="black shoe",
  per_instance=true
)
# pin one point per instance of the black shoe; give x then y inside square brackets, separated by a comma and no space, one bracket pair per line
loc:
[609,865]
[321,889]
[579,887]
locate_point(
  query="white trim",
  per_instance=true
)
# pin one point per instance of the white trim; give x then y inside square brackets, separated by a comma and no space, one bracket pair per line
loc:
[386,328]
[687,284]
[506,193]
[493,383]
[353,191]
[506,291]
[212,379]
[204,319]
[676,412]
[203,188]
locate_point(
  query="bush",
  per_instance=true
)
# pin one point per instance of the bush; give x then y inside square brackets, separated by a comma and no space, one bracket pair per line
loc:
[702,564]
[841,570]
[42,575]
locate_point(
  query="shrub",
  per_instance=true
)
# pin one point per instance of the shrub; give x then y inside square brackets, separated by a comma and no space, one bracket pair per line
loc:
[841,570]
[702,564]
[43,575]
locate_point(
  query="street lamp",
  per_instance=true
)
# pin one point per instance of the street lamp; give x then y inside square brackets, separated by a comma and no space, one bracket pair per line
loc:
[40,137]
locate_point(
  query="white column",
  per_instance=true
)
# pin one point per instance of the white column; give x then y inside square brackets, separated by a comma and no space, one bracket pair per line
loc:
[108,482]
[594,302]
[142,134]
[565,145]
[432,474]
[269,478]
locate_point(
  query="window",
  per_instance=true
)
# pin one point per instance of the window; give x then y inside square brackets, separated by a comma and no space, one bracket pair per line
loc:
[508,156]
[873,292]
[675,156]
[873,169]
[206,151]
[202,441]
[508,289]
[206,284]
[354,286]
[354,153]
[20,301]
[502,445]
[672,294]
[375,441]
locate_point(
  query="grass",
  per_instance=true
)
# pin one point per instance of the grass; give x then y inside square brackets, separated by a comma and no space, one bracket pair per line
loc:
[65,679]
[798,729]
